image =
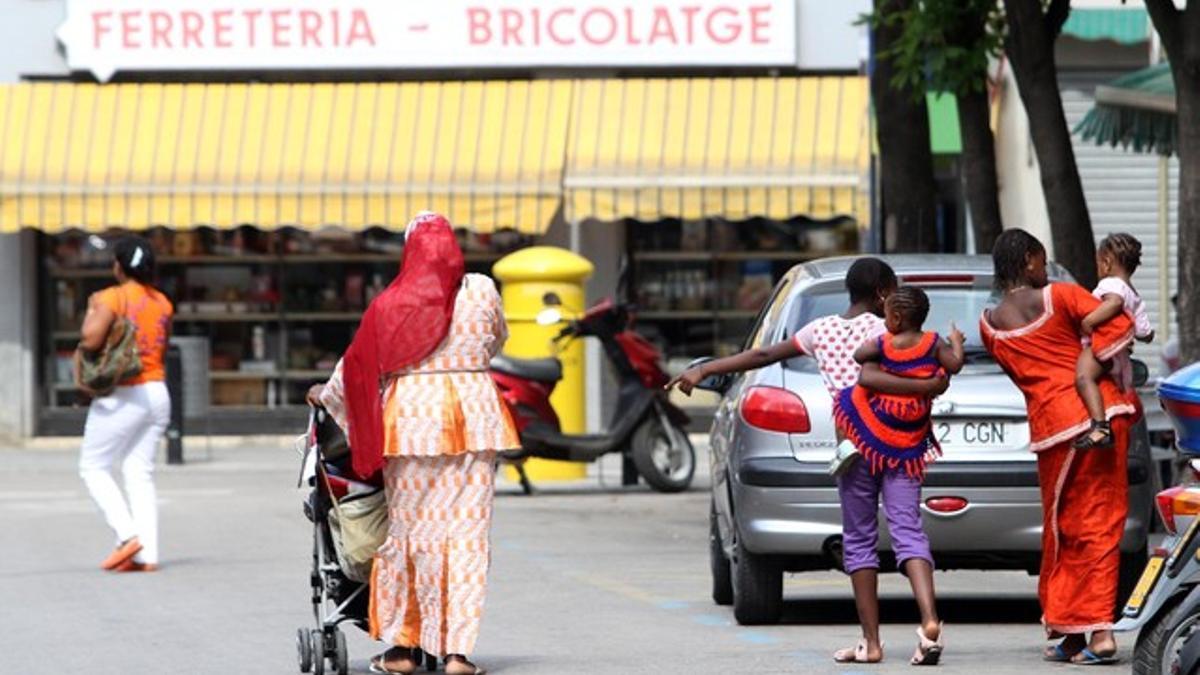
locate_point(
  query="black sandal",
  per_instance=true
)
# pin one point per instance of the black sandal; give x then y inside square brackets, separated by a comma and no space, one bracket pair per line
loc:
[467,669]
[1088,441]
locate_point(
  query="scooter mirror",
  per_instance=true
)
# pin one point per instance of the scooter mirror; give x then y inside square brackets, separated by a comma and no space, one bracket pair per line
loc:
[548,316]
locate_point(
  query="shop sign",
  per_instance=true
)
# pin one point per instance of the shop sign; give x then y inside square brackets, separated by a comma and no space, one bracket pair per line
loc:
[106,36]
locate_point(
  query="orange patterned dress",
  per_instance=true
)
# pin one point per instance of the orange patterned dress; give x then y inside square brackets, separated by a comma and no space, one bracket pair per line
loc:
[1084,493]
[444,423]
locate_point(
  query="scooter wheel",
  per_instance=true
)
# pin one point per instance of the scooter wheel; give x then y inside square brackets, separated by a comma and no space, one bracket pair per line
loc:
[663,455]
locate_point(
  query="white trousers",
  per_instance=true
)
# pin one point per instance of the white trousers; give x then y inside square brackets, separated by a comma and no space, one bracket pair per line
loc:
[126,426]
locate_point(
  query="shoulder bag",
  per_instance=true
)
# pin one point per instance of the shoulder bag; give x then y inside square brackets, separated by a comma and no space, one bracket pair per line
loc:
[98,373]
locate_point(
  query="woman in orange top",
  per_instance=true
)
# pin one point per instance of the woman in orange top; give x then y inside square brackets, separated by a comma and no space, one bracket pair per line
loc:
[128,424]
[415,398]
[1034,334]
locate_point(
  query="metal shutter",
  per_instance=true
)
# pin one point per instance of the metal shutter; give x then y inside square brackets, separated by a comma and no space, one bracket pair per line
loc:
[1122,194]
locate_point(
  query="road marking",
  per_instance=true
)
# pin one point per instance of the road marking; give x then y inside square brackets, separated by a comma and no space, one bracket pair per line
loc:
[710,620]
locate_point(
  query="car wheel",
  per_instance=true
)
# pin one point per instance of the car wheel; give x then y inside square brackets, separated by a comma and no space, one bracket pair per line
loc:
[757,586]
[722,579]
[663,455]
[1130,572]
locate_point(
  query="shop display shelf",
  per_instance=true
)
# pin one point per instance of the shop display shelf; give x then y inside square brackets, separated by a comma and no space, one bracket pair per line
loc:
[784,256]
[677,315]
[232,317]
[351,258]
[673,256]
[332,317]
[306,375]
[701,314]
[242,259]
[239,375]
[57,272]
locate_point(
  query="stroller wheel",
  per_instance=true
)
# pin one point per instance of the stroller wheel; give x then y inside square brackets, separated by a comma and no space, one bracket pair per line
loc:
[317,639]
[341,654]
[303,650]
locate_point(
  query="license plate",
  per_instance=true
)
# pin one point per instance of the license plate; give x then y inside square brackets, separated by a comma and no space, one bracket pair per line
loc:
[981,433]
[1150,575]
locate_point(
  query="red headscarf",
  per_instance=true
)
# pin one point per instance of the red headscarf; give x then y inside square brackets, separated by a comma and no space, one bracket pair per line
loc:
[403,326]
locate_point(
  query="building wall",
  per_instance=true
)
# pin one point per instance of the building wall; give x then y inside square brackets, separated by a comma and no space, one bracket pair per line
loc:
[1022,203]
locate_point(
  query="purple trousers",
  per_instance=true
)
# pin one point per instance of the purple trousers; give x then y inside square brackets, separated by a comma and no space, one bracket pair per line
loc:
[859,491]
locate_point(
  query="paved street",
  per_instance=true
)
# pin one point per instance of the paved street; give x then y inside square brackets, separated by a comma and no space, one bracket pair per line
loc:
[586,579]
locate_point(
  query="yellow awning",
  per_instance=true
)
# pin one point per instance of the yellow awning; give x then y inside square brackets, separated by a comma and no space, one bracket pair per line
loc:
[734,148]
[487,154]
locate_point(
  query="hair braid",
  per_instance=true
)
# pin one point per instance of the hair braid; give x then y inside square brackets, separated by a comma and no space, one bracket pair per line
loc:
[1010,254]
[1125,249]
[912,304]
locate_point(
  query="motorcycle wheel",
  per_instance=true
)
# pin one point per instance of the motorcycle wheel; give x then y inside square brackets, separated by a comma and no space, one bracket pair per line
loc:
[1159,642]
[663,456]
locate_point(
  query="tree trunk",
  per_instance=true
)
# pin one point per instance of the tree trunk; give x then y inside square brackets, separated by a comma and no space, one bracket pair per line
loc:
[1030,49]
[908,189]
[1187,100]
[979,168]
[1180,35]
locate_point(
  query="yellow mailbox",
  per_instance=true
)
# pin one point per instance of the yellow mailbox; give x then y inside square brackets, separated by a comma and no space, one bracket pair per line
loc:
[526,277]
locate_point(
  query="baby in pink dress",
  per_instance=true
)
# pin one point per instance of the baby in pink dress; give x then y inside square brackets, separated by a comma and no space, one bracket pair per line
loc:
[1117,258]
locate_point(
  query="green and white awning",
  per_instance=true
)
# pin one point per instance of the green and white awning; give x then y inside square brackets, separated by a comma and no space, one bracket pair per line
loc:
[1135,110]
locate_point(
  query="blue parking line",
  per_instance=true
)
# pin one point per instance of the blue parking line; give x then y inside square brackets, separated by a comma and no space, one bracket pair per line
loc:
[672,604]
[710,620]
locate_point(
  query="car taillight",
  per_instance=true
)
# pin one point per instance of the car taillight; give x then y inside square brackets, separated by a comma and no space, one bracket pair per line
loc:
[775,409]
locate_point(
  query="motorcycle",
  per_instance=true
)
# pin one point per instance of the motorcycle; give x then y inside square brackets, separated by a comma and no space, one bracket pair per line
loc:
[1165,604]
[646,427]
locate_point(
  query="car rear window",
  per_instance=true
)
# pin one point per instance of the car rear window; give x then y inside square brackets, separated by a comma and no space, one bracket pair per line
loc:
[960,304]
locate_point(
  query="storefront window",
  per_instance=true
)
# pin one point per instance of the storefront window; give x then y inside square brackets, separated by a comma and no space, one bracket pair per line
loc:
[700,284]
[277,309]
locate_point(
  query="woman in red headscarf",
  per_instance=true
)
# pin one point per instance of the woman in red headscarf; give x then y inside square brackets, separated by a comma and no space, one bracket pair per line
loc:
[414,396]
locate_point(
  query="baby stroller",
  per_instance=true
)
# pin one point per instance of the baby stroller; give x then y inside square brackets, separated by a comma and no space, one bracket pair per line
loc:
[340,509]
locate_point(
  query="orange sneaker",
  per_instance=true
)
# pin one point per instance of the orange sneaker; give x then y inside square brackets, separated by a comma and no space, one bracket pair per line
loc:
[132,565]
[123,553]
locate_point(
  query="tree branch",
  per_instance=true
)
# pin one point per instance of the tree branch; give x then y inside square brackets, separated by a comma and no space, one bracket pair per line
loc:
[1056,16]
[1166,20]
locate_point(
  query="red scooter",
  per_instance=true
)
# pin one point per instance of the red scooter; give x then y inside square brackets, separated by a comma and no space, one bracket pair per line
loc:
[646,427]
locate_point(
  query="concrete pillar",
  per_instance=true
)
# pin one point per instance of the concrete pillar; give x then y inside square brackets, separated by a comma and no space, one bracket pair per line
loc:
[18,346]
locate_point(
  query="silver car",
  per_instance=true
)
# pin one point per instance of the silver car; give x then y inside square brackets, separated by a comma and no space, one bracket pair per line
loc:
[775,508]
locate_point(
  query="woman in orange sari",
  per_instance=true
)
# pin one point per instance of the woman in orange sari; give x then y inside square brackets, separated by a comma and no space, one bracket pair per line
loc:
[1034,334]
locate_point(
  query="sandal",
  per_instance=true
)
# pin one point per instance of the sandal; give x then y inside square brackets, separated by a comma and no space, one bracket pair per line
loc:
[1057,654]
[1091,440]
[857,654]
[1091,658]
[405,665]
[466,667]
[929,652]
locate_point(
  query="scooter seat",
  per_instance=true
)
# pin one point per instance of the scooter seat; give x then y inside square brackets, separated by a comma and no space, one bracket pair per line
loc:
[538,370]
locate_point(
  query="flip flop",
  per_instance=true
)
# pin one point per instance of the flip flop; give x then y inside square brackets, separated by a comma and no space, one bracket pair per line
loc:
[1091,658]
[858,654]
[929,652]
[1057,655]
